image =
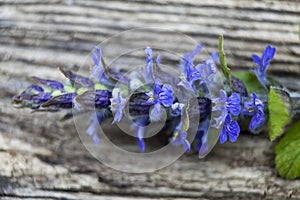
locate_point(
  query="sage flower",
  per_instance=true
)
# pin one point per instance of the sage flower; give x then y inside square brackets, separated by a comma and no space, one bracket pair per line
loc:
[98,71]
[162,94]
[189,72]
[117,105]
[140,137]
[208,68]
[255,109]
[96,119]
[149,76]
[201,143]
[262,64]
[180,138]
[230,129]
[227,106]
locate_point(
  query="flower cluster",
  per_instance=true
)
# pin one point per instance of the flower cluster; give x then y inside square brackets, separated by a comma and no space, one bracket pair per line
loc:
[151,101]
[255,109]
[229,106]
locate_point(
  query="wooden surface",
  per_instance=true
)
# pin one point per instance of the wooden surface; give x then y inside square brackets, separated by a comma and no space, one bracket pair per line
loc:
[43,158]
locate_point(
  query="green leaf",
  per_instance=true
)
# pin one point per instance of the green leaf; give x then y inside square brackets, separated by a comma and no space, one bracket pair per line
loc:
[288,153]
[251,82]
[278,114]
[222,58]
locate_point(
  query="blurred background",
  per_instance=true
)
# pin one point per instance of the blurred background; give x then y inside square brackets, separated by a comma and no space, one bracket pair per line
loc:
[42,157]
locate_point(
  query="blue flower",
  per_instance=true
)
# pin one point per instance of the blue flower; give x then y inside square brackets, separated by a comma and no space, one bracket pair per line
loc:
[160,97]
[165,95]
[208,68]
[157,88]
[201,140]
[202,144]
[158,59]
[179,138]
[263,63]
[233,104]
[189,72]
[93,129]
[162,94]
[98,71]
[230,129]
[187,66]
[227,105]
[149,76]
[117,105]
[96,55]
[256,110]
[96,119]
[140,132]
[176,109]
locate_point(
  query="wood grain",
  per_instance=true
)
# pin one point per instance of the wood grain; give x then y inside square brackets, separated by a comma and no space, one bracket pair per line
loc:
[42,158]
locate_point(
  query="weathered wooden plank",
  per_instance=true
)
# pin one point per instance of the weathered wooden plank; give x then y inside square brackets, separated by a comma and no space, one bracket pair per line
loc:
[42,157]
[242,169]
[249,29]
